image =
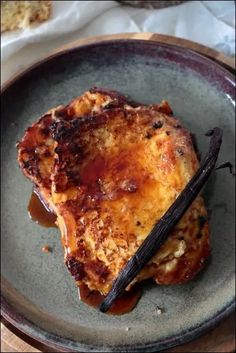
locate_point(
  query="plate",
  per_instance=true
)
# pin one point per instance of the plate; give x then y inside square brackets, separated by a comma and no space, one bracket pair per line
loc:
[38,295]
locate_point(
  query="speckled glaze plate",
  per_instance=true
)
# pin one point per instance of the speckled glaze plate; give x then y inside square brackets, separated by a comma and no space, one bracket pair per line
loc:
[38,295]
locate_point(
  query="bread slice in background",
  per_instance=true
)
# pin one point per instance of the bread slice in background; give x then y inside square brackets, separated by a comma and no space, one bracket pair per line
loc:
[20,14]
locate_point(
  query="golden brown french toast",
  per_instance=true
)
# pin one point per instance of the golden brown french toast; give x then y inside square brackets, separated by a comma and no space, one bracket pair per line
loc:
[110,169]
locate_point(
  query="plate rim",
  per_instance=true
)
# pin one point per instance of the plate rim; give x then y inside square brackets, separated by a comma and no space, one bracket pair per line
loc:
[11,315]
[55,341]
[63,51]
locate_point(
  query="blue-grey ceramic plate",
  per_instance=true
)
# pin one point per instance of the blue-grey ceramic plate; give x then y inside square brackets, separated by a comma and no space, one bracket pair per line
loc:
[39,296]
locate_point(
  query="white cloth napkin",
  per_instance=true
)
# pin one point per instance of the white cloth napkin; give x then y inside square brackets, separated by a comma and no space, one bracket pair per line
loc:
[67,16]
[211,23]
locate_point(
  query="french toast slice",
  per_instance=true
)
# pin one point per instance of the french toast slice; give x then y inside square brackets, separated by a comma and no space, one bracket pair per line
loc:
[113,171]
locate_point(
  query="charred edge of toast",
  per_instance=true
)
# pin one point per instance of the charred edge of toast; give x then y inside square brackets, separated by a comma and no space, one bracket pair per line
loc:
[80,271]
[62,130]
[29,157]
[32,165]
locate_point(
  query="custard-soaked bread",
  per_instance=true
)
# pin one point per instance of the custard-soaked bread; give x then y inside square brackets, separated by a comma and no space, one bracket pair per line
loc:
[110,169]
[20,14]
